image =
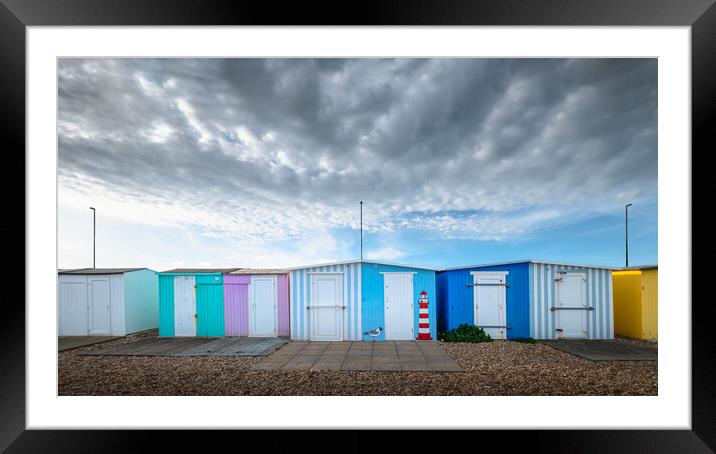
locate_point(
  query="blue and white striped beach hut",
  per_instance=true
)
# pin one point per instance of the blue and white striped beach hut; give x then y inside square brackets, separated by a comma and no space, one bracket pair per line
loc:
[340,301]
[528,298]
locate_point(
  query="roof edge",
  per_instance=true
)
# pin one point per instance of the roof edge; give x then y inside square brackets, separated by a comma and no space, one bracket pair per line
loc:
[544,262]
[118,270]
[377,262]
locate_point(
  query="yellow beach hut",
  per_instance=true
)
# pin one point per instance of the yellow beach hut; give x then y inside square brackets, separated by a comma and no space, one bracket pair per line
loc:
[636,291]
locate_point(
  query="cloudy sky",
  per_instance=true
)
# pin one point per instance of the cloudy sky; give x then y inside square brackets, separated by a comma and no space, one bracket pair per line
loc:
[263,162]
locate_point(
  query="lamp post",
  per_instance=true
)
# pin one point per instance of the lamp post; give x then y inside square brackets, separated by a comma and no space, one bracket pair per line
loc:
[626,232]
[94,212]
[361,230]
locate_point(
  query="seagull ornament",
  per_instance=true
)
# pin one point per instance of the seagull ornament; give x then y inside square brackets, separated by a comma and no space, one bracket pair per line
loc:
[374,332]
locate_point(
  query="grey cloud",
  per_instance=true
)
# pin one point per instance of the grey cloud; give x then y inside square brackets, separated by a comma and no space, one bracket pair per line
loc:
[410,135]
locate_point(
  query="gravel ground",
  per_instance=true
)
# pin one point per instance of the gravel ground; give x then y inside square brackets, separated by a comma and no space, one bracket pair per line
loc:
[495,368]
[641,342]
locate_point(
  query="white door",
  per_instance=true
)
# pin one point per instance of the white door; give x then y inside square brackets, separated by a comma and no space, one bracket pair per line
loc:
[490,312]
[571,313]
[263,305]
[99,306]
[326,307]
[398,306]
[184,306]
[73,307]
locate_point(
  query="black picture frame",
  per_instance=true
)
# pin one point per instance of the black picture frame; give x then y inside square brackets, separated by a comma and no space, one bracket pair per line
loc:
[16,15]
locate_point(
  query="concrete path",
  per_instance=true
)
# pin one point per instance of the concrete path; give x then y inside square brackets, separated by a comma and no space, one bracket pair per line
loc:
[72,342]
[195,346]
[605,350]
[385,356]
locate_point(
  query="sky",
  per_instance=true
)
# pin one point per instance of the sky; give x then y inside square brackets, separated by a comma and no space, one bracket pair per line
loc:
[263,162]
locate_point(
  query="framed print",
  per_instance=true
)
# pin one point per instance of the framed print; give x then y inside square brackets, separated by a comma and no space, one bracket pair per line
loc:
[281,219]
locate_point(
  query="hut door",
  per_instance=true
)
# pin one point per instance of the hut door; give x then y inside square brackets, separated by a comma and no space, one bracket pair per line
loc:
[74,308]
[99,306]
[326,309]
[489,294]
[262,294]
[571,317]
[236,308]
[398,304]
[184,306]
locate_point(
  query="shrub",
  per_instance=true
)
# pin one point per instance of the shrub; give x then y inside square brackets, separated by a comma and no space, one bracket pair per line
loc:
[524,340]
[465,333]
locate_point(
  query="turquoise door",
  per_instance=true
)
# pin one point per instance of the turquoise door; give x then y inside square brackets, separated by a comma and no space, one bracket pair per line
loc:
[209,305]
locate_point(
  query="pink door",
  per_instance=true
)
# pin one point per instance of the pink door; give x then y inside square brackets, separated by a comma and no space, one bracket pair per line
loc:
[236,305]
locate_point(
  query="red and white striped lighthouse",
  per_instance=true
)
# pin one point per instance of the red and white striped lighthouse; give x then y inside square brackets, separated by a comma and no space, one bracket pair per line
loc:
[423,319]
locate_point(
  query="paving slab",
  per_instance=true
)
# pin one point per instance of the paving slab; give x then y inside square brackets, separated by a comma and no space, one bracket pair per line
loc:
[327,366]
[196,346]
[413,367]
[71,342]
[361,356]
[385,359]
[356,366]
[604,350]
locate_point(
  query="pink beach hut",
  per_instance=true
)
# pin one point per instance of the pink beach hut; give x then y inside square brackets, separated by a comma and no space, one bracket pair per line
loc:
[256,303]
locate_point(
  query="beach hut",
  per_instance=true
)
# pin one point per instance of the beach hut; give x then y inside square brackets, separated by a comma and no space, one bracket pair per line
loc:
[256,303]
[636,295]
[528,298]
[106,301]
[191,301]
[343,300]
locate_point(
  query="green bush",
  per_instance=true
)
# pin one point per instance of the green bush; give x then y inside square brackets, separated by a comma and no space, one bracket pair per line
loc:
[524,340]
[465,333]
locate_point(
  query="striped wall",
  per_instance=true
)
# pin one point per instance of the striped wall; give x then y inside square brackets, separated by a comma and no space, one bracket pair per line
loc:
[300,297]
[600,321]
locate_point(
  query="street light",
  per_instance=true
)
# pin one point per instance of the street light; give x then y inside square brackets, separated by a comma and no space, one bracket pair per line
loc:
[361,230]
[94,212]
[626,232]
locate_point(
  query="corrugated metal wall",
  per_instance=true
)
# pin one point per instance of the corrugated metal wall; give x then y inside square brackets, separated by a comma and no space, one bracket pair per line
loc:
[117,300]
[72,302]
[372,301]
[141,307]
[443,292]
[283,305]
[650,281]
[627,303]
[166,304]
[600,322]
[236,305]
[75,304]
[222,304]
[457,300]
[636,303]
[209,305]
[300,291]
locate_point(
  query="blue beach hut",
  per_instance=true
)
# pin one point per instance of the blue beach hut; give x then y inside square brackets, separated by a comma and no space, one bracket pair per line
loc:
[341,301]
[528,298]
